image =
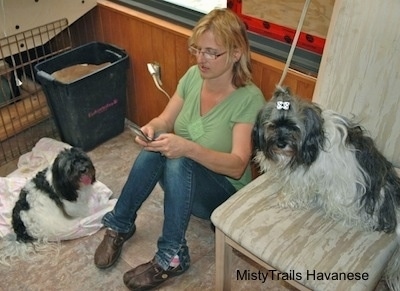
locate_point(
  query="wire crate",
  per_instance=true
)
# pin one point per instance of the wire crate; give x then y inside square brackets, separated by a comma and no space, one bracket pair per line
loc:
[24,114]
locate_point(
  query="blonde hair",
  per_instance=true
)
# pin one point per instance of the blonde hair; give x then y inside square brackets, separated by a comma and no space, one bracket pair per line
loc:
[230,32]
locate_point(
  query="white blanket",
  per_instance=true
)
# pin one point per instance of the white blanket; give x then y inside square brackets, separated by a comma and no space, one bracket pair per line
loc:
[29,164]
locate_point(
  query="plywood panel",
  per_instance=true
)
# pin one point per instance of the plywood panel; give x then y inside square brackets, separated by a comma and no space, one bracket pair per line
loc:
[287,13]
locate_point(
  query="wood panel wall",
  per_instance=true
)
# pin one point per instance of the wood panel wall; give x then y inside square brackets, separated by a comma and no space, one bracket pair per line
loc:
[149,39]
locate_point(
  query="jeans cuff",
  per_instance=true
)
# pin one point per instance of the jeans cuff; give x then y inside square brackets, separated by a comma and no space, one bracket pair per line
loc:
[165,260]
[107,221]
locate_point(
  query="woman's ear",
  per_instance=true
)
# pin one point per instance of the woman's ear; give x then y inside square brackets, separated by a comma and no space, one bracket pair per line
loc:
[237,53]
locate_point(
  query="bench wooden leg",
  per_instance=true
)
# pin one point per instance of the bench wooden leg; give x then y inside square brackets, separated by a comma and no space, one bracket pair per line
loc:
[223,262]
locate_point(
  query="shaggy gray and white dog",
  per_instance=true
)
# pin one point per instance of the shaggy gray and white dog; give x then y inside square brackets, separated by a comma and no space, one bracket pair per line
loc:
[326,160]
[54,196]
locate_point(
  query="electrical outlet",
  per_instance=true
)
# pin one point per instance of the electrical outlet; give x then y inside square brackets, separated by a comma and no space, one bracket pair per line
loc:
[151,69]
[157,70]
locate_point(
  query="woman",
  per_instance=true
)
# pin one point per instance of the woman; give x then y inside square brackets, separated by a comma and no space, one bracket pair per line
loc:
[206,158]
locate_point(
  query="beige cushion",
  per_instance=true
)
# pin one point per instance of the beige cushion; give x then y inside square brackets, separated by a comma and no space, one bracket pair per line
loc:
[301,241]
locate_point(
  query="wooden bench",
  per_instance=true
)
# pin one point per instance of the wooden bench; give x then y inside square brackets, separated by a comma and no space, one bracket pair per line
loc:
[310,250]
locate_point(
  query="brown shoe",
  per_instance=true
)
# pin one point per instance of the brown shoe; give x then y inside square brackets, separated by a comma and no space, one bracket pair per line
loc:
[110,248]
[149,275]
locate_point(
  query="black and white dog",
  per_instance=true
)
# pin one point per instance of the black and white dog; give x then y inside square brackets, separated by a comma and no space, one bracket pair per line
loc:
[54,197]
[323,159]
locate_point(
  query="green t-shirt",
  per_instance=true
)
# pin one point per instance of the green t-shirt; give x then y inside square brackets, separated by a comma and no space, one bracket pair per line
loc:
[214,130]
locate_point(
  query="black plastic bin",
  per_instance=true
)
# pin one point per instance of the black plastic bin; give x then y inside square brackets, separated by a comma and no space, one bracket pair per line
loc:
[91,109]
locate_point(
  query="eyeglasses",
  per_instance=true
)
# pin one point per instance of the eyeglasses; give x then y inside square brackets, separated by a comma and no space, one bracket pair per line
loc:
[210,56]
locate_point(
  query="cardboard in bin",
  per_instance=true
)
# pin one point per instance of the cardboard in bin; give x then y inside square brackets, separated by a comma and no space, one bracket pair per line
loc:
[89,109]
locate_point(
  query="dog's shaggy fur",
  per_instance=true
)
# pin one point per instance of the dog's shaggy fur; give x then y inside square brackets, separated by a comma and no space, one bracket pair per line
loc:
[49,206]
[327,161]
[56,194]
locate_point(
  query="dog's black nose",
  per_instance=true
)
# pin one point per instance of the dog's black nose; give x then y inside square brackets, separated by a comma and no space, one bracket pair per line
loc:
[281,144]
[83,170]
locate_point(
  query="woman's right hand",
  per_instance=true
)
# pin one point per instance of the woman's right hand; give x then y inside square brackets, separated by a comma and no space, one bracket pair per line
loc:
[148,130]
[164,122]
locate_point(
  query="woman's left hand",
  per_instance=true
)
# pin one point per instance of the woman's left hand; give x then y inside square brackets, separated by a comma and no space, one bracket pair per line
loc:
[168,144]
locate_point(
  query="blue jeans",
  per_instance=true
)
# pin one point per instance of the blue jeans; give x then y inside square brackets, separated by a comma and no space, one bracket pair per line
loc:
[189,188]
